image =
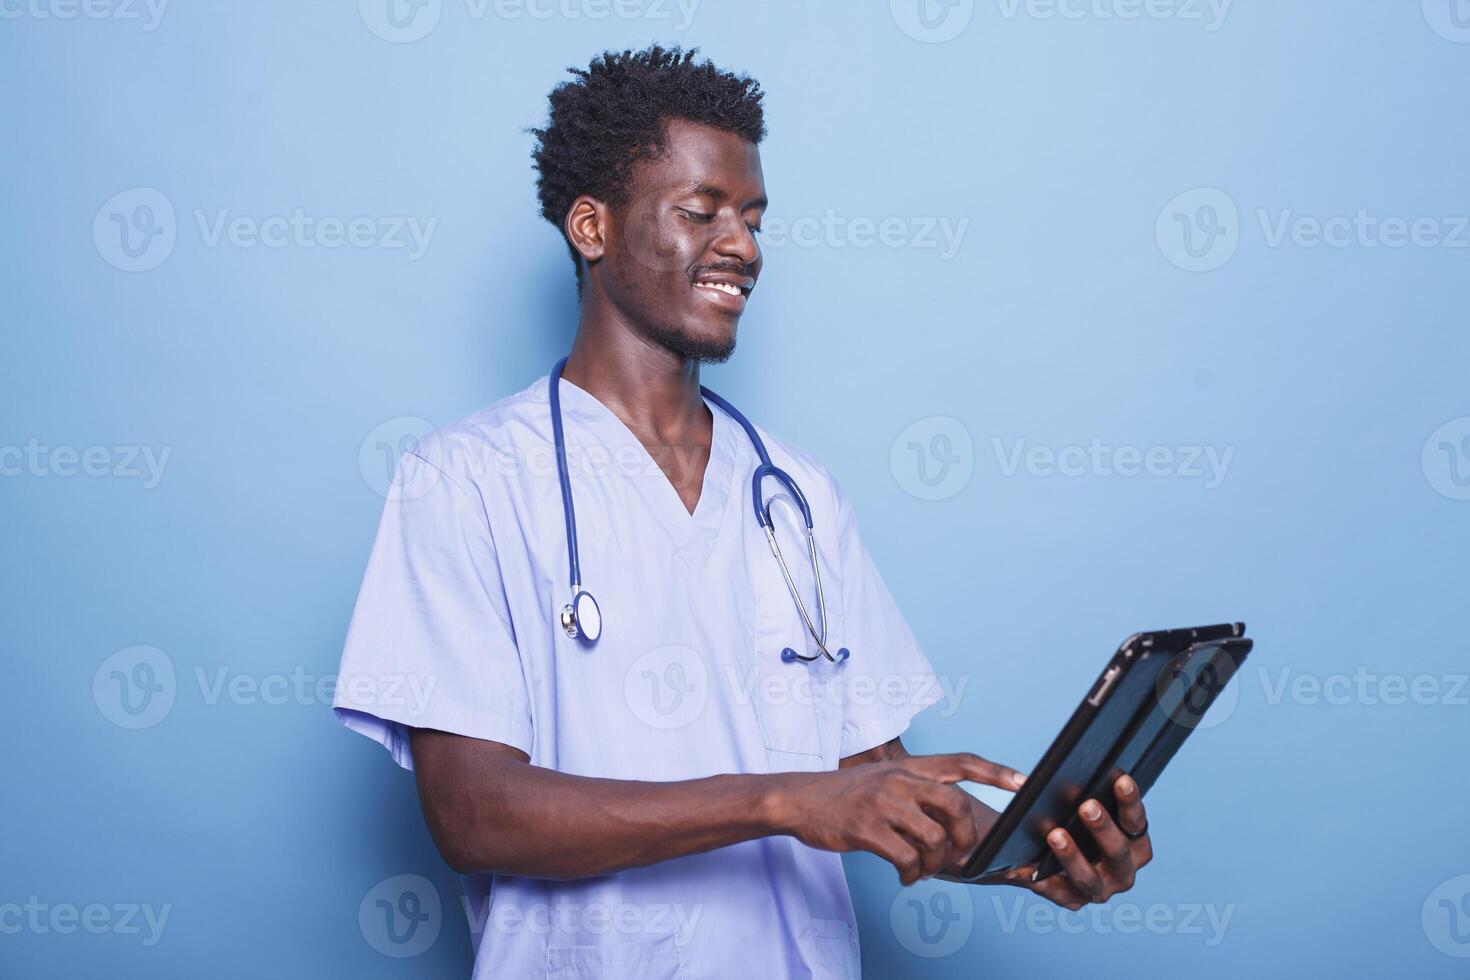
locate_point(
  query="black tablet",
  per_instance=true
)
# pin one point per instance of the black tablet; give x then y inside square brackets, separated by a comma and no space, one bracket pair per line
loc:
[1151,695]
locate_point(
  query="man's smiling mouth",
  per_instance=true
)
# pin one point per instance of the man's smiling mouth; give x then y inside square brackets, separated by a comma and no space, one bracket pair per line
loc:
[733,284]
[723,287]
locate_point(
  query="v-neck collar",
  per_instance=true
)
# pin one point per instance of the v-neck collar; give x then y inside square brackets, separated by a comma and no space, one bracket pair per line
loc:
[694,534]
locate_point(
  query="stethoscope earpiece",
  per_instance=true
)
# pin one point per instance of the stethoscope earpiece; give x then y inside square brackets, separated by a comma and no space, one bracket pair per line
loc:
[790,656]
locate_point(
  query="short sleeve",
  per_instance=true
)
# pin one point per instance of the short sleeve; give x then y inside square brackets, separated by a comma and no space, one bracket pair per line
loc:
[889,680]
[431,643]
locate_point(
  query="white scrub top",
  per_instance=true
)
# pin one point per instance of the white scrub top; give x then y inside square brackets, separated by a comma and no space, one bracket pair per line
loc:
[456,628]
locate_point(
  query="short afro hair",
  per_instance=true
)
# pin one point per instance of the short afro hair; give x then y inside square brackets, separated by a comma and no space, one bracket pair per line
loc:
[613,115]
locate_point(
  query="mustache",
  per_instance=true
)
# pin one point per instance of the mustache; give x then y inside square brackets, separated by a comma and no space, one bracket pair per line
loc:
[731,268]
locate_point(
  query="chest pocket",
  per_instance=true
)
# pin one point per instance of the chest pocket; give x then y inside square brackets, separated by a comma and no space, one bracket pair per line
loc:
[797,703]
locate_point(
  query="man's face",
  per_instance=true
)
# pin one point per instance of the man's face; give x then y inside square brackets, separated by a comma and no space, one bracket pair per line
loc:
[682,256]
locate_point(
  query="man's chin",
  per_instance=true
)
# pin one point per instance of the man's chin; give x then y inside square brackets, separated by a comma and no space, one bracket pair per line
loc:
[713,348]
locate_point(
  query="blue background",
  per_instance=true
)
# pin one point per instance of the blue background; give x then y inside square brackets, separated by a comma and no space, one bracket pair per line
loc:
[271,375]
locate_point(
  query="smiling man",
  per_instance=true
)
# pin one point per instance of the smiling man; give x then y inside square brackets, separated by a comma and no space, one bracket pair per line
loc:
[658,783]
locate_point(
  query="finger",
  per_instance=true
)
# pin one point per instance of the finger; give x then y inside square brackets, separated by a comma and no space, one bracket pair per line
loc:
[1117,852]
[956,766]
[1131,815]
[928,837]
[1059,891]
[954,808]
[1083,875]
[897,851]
[1020,877]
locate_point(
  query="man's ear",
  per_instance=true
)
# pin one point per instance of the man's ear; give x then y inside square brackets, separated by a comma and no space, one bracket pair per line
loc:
[587,227]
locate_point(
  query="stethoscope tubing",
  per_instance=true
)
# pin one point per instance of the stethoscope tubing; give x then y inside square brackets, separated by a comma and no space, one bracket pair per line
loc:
[766,470]
[559,442]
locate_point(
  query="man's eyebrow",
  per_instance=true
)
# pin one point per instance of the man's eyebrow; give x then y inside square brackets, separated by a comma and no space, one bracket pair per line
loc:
[704,189]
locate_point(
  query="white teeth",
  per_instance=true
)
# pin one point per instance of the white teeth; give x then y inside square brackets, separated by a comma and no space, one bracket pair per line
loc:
[723,287]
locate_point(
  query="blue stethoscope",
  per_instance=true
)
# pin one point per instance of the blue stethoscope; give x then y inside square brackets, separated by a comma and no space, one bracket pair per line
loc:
[582,618]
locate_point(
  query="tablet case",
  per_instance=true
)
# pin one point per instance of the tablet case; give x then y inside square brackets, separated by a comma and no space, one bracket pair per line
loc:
[1137,714]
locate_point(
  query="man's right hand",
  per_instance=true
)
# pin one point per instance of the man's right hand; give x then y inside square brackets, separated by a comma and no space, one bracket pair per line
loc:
[905,810]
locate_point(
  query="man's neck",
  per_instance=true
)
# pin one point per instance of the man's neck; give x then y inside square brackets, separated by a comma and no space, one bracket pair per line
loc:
[653,390]
[655,393]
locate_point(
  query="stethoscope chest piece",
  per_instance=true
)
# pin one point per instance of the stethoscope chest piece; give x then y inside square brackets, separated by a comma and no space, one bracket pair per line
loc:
[582,618]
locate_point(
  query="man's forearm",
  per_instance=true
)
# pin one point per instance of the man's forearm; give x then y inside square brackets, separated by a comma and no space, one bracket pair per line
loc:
[490,810]
[501,814]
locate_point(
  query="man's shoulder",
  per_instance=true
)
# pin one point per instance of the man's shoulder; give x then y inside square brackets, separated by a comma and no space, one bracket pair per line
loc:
[798,462]
[815,480]
[487,440]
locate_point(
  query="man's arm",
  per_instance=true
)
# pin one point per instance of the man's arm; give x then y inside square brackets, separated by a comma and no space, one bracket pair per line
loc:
[1084,882]
[490,810]
[888,751]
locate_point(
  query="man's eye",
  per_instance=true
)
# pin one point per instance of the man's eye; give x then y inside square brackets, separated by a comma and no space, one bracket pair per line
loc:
[754,229]
[699,216]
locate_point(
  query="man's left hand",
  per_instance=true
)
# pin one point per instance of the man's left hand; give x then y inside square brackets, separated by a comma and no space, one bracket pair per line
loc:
[1086,882]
